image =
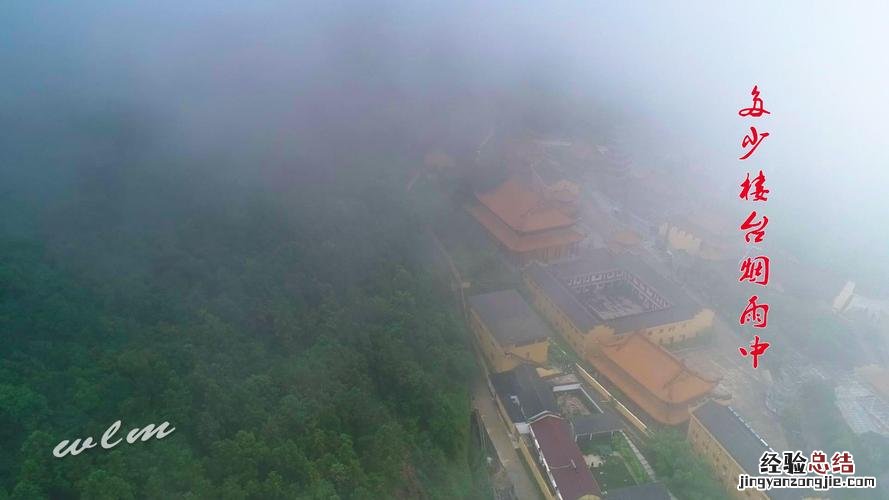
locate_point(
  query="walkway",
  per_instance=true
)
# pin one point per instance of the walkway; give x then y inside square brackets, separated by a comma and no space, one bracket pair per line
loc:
[506,447]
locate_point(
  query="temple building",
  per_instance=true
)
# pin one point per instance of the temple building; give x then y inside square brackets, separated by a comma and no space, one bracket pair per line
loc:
[522,396]
[508,331]
[557,190]
[602,295]
[566,471]
[704,236]
[617,313]
[655,380]
[527,225]
[719,435]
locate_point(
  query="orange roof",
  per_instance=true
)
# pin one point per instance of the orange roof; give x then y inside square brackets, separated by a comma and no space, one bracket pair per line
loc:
[522,209]
[521,243]
[662,374]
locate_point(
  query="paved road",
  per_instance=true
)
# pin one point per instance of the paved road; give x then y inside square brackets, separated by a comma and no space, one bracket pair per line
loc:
[509,456]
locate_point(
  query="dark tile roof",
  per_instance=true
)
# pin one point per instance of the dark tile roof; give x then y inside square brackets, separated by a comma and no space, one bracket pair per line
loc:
[566,463]
[509,318]
[562,296]
[598,423]
[744,445]
[650,491]
[682,306]
[534,395]
[551,278]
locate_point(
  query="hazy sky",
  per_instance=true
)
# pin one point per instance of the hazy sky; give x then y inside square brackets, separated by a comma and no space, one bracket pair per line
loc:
[233,75]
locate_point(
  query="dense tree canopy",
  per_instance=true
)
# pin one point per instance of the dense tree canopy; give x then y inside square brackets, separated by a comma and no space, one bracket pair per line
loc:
[293,337]
[687,475]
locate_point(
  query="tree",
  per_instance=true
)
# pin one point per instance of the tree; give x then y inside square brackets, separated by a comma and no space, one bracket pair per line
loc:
[687,475]
[100,485]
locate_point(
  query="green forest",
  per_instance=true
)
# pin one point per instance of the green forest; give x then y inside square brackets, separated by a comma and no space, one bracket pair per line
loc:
[257,225]
[293,336]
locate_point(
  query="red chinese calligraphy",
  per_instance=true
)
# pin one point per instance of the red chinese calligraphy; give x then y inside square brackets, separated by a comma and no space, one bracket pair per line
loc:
[757,109]
[818,463]
[753,139]
[842,463]
[757,185]
[754,229]
[757,349]
[757,314]
[755,270]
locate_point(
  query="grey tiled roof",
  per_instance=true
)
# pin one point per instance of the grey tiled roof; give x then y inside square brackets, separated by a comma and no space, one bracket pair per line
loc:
[741,442]
[734,435]
[534,395]
[551,279]
[563,297]
[509,318]
[598,423]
